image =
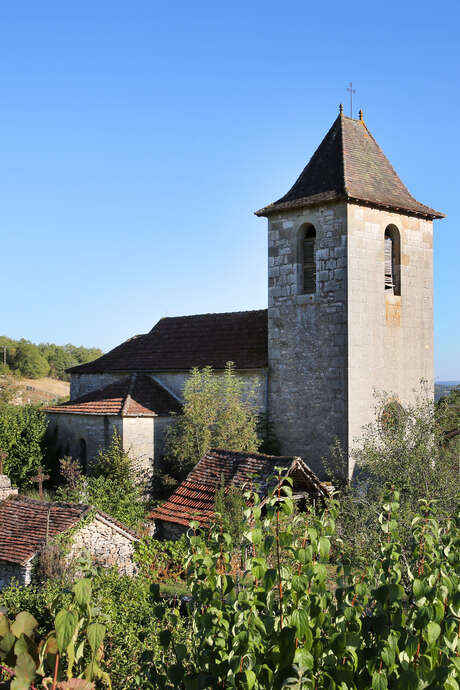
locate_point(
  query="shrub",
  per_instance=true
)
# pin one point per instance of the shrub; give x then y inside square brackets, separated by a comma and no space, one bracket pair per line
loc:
[22,433]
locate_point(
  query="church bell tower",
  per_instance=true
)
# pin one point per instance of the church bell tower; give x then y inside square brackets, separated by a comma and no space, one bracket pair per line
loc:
[350,295]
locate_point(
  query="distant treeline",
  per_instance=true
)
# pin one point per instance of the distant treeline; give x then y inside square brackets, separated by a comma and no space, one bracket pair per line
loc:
[23,358]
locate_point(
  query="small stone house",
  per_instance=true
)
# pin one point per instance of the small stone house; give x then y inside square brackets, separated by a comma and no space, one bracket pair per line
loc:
[136,406]
[195,497]
[27,524]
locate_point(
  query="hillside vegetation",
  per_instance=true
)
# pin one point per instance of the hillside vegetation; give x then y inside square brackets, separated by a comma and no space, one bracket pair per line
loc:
[23,358]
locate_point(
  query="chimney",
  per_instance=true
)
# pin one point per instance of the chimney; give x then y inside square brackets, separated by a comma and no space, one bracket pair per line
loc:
[5,488]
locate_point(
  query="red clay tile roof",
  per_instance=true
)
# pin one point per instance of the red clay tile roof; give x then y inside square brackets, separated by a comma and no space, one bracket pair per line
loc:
[349,164]
[183,342]
[194,498]
[137,395]
[25,524]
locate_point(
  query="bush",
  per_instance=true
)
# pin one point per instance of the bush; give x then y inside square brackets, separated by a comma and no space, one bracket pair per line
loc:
[112,487]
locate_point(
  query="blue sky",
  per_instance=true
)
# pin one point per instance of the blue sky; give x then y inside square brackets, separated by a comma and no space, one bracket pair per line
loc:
[137,138]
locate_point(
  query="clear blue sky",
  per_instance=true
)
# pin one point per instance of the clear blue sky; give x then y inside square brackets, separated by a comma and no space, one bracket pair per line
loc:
[137,138]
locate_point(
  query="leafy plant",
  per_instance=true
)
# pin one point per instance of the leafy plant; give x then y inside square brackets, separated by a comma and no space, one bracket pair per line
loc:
[219,411]
[72,650]
[22,434]
[282,626]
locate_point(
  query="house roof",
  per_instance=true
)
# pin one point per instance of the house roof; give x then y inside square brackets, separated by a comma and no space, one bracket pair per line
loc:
[183,342]
[27,523]
[194,498]
[350,165]
[137,395]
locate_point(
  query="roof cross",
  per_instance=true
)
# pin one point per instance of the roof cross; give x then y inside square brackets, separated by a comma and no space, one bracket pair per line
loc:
[39,479]
[351,91]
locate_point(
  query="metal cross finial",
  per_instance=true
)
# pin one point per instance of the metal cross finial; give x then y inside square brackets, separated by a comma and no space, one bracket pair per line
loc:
[39,479]
[341,109]
[351,90]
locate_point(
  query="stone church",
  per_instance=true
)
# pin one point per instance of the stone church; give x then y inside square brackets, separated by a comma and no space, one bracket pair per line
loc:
[350,311]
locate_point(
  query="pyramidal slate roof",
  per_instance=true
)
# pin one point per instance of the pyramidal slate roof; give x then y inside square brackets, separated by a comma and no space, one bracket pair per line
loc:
[137,395]
[350,165]
[183,342]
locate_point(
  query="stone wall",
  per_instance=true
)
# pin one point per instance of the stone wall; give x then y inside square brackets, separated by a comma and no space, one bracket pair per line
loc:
[80,384]
[68,429]
[138,435]
[307,335]
[11,571]
[108,545]
[390,338]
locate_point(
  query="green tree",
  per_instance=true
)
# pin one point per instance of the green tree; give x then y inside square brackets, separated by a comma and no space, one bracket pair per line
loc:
[29,361]
[405,449]
[219,411]
[22,438]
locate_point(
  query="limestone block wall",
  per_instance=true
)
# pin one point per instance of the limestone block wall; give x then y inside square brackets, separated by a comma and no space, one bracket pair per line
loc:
[108,544]
[80,384]
[96,430]
[138,440]
[12,571]
[255,380]
[390,338]
[307,334]
[5,487]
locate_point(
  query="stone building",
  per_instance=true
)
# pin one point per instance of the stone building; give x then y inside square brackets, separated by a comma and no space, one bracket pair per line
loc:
[26,525]
[350,307]
[195,497]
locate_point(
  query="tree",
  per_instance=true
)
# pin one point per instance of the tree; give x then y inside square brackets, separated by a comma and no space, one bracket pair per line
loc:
[22,434]
[30,362]
[219,411]
[404,449]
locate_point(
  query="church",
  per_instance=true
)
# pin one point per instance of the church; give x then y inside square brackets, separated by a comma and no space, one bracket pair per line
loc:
[350,311]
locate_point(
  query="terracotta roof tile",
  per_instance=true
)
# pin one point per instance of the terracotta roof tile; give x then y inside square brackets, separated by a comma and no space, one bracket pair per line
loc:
[137,395]
[194,498]
[26,523]
[349,164]
[184,342]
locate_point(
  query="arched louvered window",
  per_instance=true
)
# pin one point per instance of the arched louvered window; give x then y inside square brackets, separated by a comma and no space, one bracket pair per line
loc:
[308,249]
[392,260]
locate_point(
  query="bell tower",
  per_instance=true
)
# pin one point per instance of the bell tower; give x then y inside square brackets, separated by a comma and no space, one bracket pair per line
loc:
[350,294]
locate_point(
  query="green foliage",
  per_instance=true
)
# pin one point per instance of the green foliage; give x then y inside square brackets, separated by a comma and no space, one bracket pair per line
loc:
[22,434]
[219,411]
[278,626]
[410,455]
[229,509]
[72,649]
[29,361]
[112,487]
[161,560]
[269,442]
[36,361]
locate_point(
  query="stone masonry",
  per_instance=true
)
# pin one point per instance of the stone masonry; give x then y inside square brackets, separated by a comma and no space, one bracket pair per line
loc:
[307,334]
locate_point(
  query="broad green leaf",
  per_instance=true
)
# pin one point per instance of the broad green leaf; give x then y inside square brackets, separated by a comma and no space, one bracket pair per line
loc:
[303,659]
[433,630]
[25,668]
[324,548]
[4,625]
[82,590]
[96,634]
[379,681]
[23,623]
[65,623]
[165,638]
[250,678]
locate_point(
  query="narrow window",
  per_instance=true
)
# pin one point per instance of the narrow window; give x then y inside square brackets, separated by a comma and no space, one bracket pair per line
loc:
[392,260]
[309,261]
[83,458]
